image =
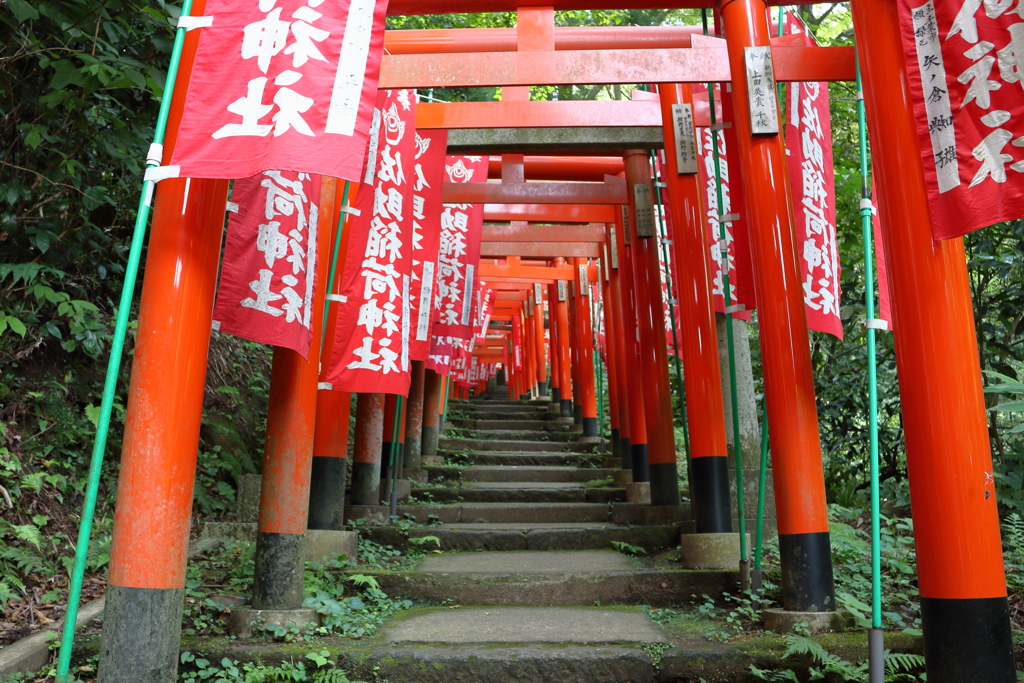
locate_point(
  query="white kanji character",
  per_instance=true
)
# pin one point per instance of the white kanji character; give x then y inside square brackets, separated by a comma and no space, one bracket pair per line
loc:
[395,203]
[251,109]
[965,23]
[814,217]
[380,278]
[366,357]
[264,39]
[391,167]
[993,161]
[380,203]
[418,206]
[280,201]
[812,254]
[453,244]
[811,148]
[403,99]
[810,116]
[390,319]
[370,316]
[810,295]
[290,105]
[828,299]
[388,357]
[293,302]
[421,181]
[449,316]
[454,220]
[297,254]
[383,240]
[417,239]
[1011,57]
[261,288]
[271,242]
[813,183]
[976,76]
[449,268]
[305,34]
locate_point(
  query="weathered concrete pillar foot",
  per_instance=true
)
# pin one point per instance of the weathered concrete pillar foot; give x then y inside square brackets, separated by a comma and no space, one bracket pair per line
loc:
[141,635]
[783,621]
[638,492]
[243,619]
[373,514]
[321,543]
[710,551]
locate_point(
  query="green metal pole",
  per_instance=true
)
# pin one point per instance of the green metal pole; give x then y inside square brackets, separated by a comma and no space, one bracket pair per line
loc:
[727,296]
[334,259]
[396,431]
[762,485]
[114,363]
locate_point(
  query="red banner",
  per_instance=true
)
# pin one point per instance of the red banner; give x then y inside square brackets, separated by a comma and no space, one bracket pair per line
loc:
[884,305]
[812,179]
[440,358]
[286,84]
[427,186]
[966,69]
[517,342]
[741,276]
[459,255]
[371,347]
[269,273]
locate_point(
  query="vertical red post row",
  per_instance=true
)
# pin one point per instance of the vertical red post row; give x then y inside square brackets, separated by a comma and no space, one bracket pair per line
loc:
[964,613]
[538,339]
[807,583]
[585,350]
[432,388]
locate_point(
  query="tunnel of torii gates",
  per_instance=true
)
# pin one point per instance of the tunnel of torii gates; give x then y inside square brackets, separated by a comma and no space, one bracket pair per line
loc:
[543,243]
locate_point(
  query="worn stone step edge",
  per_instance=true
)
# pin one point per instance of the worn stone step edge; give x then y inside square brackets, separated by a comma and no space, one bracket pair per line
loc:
[653,539]
[560,589]
[456,445]
[532,473]
[500,495]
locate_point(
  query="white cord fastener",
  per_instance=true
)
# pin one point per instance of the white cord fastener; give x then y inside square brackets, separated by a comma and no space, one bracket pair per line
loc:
[876,324]
[730,217]
[155,157]
[660,184]
[721,125]
[340,298]
[351,210]
[215,326]
[735,308]
[232,207]
[867,204]
[325,386]
[189,23]
[157,173]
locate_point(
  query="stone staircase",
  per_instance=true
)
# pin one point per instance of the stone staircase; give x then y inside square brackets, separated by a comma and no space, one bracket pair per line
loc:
[526,517]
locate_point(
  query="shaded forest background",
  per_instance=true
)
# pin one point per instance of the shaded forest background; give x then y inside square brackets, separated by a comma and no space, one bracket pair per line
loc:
[80,82]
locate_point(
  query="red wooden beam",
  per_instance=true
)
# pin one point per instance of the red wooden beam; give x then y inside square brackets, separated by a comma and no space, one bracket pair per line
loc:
[551,213]
[543,233]
[542,249]
[534,193]
[435,41]
[398,7]
[489,271]
[565,114]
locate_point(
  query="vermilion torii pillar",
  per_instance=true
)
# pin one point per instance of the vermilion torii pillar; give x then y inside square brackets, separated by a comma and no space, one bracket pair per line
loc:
[538,338]
[432,387]
[279,561]
[414,417]
[622,280]
[614,399]
[556,372]
[585,350]
[705,414]
[574,345]
[650,316]
[616,344]
[964,614]
[369,440]
[807,583]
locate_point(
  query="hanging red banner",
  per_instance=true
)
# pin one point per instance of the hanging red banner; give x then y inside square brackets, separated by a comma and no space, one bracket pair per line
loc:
[812,179]
[269,273]
[459,254]
[427,187]
[965,69]
[741,274]
[517,342]
[440,358]
[371,346]
[287,84]
[884,305]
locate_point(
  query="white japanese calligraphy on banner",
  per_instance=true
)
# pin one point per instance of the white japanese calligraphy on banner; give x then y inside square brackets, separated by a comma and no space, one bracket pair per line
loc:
[427,186]
[371,349]
[269,273]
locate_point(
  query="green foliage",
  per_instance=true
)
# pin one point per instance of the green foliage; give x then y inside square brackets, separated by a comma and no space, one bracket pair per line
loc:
[899,667]
[627,549]
[315,667]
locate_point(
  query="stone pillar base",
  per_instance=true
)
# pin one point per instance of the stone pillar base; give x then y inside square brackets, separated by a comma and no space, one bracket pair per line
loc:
[435,460]
[242,619]
[622,478]
[418,476]
[329,543]
[710,551]
[638,492]
[783,621]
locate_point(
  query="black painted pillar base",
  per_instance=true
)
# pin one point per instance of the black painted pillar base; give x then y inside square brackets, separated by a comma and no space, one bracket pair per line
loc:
[141,635]
[542,388]
[616,446]
[327,494]
[566,404]
[590,426]
[641,470]
[967,640]
[366,483]
[807,583]
[626,453]
[556,395]
[665,485]
[577,413]
[277,571]
[709,491]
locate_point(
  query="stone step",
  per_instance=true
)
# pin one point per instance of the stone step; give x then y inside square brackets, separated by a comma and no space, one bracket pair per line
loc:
[495,407]
[493,414]
[541,435]
[519,459]
[564,425]
[519,492]
[546,536]
[455,445]
[459,404]
[548,578]
[533,473]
